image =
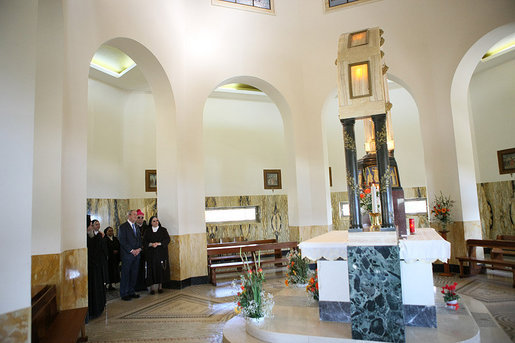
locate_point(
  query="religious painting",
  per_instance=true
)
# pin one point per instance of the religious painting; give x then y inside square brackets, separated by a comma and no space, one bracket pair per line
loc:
[371,175]
[272,178]
[506,159]
[150,180]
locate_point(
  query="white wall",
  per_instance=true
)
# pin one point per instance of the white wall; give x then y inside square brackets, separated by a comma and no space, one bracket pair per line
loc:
[492,100]
[241,138]
[17,97]
[121,141]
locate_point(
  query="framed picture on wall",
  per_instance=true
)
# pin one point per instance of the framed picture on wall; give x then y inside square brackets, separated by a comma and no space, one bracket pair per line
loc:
[272,178]
[506,159]
[150,180]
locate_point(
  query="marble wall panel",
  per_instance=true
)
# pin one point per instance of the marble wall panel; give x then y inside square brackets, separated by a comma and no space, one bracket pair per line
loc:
[497,208]
[188,256]
[113,212]
[339,222]
[15,326]
[68,271]
[46,270]
[73,290]
[273,222]
[303,233]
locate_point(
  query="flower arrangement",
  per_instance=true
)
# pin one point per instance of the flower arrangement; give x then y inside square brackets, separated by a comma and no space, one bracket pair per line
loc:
[251,300]
[297,269]
[449,295]
[441,210]
[365,199]
[312,287]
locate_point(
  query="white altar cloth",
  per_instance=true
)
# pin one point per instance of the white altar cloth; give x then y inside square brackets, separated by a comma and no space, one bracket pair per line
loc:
[425,246]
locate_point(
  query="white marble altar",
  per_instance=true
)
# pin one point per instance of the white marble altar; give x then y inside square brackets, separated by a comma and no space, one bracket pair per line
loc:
[417,252]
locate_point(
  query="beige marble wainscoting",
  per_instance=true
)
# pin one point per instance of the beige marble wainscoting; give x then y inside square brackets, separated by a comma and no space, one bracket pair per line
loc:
[303,233]
[497,208]
[340,222]
[74,279]
[188,256]
[15,326]
[113,212]
[68,271]
[272,223]
[45,270]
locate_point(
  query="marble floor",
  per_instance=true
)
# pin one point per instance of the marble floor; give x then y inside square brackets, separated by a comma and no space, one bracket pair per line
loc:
[199,313]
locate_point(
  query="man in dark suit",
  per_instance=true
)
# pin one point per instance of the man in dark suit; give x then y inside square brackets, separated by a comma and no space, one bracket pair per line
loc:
[130,245]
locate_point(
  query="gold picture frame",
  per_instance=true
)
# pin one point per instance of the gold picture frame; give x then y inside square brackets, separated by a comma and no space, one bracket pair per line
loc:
[506,160]
[272,178]
[150,180]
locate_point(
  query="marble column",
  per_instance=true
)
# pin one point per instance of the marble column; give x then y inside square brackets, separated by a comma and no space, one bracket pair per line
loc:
[351,163]
[383,168]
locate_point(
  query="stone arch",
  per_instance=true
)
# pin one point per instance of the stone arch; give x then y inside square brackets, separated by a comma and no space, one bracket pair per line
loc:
[461,118]
[289,175]
[166,146]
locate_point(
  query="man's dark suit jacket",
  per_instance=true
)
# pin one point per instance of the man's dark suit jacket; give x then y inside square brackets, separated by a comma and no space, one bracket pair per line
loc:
[128,241]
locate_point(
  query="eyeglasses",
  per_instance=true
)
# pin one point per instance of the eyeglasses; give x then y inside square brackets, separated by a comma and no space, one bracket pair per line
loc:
[140,217]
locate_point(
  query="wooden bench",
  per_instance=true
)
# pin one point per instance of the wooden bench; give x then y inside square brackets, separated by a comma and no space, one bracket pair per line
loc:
[496,260]
[270,253]
[50,325]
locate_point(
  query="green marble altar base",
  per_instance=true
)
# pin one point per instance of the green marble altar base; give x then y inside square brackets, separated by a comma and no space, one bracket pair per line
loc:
[375,293]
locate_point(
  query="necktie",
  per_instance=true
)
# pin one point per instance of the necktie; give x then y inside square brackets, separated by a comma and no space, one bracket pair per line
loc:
[134,229]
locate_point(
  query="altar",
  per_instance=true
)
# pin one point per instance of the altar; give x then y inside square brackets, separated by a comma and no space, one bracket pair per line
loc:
[416,254]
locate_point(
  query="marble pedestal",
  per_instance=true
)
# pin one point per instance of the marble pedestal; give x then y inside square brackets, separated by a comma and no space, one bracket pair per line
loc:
[416,254]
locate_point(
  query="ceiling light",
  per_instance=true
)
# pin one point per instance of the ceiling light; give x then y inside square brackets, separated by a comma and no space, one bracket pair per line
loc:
[112,61]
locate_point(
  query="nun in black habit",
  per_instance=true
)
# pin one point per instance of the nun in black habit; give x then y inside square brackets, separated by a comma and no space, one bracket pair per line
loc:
[157,265]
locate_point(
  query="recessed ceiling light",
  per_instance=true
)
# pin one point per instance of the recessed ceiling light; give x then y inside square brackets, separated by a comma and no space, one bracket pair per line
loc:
[112,61]
[501,47]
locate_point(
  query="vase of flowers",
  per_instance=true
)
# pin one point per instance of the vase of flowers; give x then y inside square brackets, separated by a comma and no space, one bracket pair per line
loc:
[251,300]
[441,210]
[450,297]
[312,287]
[297,269]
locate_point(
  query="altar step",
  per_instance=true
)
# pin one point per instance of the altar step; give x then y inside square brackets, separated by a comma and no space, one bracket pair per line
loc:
[296,320]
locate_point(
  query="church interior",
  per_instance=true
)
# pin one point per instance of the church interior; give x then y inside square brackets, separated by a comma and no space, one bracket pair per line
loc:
[182,108]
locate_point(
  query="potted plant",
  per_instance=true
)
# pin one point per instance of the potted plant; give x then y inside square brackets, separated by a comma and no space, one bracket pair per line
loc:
[450,297]
[297,269]
[251,300]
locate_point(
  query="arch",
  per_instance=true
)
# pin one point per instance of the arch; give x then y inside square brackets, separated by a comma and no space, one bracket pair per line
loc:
[286,114]
[461,117]
[166,145]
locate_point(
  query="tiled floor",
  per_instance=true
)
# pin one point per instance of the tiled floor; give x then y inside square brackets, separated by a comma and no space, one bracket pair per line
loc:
[198,313]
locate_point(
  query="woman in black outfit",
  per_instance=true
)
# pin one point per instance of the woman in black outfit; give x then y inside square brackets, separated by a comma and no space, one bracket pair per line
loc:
[113,257]
[157,267]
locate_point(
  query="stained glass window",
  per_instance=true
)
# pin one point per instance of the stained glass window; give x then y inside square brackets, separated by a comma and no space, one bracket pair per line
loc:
[334,3]
[265,4]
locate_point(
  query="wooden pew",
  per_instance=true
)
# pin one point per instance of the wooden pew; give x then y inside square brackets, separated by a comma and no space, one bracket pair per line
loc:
[496,260]
[50,325]
[271,253]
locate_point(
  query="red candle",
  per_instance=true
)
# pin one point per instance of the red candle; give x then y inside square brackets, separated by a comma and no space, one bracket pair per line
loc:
[412,226]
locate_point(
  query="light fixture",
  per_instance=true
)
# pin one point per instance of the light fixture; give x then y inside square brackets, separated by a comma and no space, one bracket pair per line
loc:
[112,61]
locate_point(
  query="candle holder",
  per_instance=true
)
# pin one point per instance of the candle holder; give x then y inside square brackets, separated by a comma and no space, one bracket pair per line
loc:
[375,223]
